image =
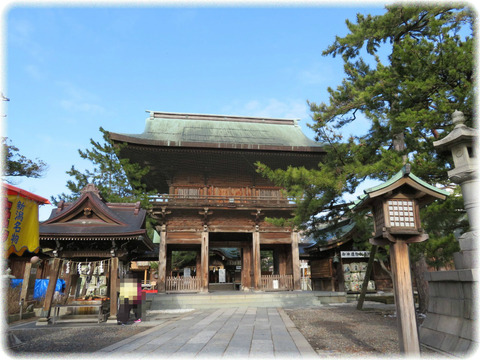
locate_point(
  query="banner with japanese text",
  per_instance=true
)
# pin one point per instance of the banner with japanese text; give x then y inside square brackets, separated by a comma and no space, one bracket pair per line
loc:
[20,228]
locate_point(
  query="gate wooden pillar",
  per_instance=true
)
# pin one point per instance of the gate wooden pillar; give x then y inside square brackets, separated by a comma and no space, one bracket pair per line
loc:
[282,261]
[257,266]
[204,262]
[168,266]
[246,267]
[162,262]
[295,261]
[198,265]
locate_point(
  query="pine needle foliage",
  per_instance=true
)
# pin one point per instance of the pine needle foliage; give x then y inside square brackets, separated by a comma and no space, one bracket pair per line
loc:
[406,72]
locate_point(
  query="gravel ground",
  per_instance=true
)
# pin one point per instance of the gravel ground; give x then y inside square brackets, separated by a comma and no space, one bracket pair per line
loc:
[75,339]
[332,330]
[345,330]
[342,330]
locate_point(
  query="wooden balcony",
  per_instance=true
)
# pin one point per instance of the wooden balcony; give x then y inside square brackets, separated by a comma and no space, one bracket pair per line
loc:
[223,197]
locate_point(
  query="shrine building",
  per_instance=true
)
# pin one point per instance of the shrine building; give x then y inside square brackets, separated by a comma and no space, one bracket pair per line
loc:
[212,202]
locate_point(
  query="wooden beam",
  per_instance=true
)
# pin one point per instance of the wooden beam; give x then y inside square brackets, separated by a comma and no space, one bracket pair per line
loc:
[114,288]
[404,302]
[198,265]
[204,262]
[71,284]
[296,261]
[257,266]
[275,241]
[282,261]
[361,299]
[28,284]
[52,282]
[246,266]
[162,262]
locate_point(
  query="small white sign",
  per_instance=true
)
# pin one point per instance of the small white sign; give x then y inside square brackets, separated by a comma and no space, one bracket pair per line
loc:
[275,284]
[355,254]
[186,272]
[221,275]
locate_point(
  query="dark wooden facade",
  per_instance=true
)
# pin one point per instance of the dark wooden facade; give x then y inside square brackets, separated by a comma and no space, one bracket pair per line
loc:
[210,195]
[92,238]
[336,264]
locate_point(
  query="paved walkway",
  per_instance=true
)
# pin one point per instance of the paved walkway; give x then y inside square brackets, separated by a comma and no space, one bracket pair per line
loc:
[231,332]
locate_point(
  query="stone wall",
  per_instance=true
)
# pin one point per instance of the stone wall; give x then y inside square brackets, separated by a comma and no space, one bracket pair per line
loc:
[450,322]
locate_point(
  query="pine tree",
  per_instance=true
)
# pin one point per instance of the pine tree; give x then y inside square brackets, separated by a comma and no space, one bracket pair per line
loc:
[407,101]
[17,165]
[117,179]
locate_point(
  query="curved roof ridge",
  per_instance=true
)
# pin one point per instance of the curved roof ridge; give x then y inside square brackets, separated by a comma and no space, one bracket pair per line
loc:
[221,131]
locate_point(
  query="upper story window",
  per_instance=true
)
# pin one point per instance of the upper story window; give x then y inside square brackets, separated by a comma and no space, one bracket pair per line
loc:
[188,192]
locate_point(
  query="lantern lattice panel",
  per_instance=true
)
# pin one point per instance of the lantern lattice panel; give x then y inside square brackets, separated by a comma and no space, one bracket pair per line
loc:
[401,213]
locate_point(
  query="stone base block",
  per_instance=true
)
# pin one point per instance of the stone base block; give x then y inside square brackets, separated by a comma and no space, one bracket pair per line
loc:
[450,323]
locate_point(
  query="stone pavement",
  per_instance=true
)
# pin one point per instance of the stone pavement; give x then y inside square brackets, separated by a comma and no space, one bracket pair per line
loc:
[229,332]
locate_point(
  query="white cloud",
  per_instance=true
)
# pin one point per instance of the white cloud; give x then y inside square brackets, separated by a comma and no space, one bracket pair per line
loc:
[34,72]
[274,108]
[20,34]
[76,106]
[321,73]
[76,99]
[271,108]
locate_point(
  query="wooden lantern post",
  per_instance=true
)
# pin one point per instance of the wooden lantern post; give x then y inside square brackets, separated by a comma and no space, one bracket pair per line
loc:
[395,205]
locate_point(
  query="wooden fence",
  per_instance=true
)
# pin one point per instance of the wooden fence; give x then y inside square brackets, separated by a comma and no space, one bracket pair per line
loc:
[183,284]
[277,282]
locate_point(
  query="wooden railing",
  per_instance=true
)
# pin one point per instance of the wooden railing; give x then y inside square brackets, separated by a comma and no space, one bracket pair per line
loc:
[220,200]
[277,282]
[183,284]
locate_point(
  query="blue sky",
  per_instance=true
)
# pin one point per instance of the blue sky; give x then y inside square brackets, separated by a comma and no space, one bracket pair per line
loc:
[71,69]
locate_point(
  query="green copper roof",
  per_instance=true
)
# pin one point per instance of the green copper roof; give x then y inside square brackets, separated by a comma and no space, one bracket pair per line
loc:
[404,172]
[331,234]
[175,129]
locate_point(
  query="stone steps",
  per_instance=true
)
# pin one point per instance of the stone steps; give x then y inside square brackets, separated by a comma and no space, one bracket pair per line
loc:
[240,299]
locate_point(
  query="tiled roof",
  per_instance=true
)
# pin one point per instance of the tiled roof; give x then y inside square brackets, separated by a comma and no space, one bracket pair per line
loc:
[90,218]
[221,131]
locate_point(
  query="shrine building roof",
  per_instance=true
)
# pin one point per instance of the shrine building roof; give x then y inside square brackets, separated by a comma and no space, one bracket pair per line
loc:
[221,131]
[91,219]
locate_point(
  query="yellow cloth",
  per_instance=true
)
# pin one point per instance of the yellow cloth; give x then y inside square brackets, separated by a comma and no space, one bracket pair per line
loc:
[130,289]
[20,231]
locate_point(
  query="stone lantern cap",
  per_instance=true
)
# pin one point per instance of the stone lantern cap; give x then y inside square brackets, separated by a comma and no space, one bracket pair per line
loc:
[460,141]
[461,133]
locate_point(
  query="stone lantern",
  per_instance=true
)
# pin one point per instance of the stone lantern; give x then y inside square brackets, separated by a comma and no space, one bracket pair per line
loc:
[450,325]
[461,143]
[395,206]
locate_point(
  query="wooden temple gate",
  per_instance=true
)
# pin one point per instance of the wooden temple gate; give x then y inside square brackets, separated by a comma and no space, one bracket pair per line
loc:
[284,275]
[210,196]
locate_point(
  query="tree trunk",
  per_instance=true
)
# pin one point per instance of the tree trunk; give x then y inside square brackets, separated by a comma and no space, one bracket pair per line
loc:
[419,270]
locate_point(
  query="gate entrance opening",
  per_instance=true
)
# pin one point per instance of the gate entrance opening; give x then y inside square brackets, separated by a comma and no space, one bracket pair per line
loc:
[226,260]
